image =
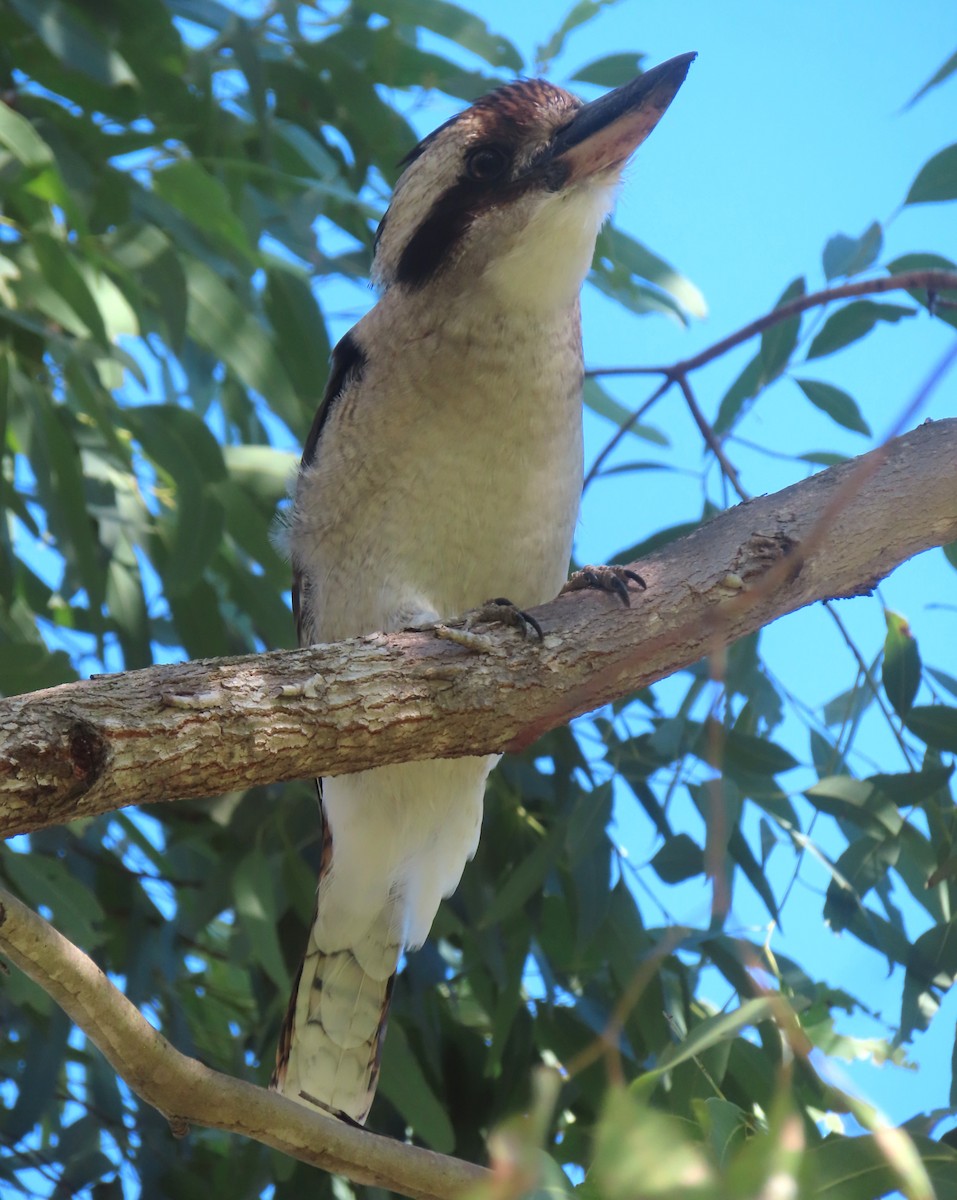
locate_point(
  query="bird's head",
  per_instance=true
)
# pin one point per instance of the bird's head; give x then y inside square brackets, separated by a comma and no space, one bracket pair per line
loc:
[511,193]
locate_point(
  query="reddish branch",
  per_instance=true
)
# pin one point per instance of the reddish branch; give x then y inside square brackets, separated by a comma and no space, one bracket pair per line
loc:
[932,282]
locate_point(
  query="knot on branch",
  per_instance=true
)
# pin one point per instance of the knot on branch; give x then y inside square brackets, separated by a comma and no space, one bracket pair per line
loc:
[88,753]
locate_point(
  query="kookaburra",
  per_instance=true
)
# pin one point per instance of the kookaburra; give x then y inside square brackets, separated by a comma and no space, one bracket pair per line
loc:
[443,467]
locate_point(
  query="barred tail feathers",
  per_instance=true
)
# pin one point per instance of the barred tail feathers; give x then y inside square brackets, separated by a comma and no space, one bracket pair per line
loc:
[396,841]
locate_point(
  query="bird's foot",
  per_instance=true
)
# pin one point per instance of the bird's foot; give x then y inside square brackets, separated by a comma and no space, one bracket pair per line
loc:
[614,580]
[493,612]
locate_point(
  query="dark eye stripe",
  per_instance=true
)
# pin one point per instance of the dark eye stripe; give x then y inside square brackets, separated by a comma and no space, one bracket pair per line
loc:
[449,217]
[433,241]
[348,359]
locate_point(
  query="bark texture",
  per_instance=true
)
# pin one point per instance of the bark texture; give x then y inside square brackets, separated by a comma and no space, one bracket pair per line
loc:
[205,727]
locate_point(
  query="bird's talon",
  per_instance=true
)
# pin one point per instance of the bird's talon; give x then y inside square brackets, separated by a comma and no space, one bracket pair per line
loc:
[501,611]
[611,579]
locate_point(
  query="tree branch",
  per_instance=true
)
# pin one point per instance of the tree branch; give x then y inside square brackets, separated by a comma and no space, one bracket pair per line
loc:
[205,727]
[932,282]
[187,1092]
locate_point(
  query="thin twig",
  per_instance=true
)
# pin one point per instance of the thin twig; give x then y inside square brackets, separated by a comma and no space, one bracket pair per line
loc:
[707,432]
[930,281]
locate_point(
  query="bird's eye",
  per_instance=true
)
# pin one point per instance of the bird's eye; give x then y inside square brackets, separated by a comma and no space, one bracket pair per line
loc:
[485,163]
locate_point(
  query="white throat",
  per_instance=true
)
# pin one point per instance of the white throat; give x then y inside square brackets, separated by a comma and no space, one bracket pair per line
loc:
[547,264]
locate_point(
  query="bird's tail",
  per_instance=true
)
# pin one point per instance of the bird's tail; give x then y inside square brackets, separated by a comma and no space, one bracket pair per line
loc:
[331,1039]
[395,841]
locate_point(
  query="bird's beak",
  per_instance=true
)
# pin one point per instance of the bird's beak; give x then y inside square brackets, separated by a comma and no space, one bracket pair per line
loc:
[605,133]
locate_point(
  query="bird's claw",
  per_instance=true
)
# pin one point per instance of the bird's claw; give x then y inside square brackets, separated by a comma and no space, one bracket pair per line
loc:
[503,612]
[612,579]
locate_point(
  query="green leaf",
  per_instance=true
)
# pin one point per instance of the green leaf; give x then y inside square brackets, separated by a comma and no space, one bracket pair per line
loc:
[223,326]
[599,401]
[22,140]
[747,385]
[75,42]
[935,724]
[742,854]
[912,787]
[525,879]
[680,858]
[862,1168]
[579,14]
[823,458]
[901,667]
[855,800]
[942,73]
[202,199]
[862,865]
[27,667]
[611,70]
[756,755]
[931,970]
[839,406]
[778,341]
[642,1152]
[46,882]
[60,270]
[404,1083]
[210,13]
[64,493]
[616,282]
[845,255]
[712,1031]
[301,335]
[854,321]
[623,251]
[450,21]
[179,442]
[253,887]
[920,262]
[936,180]
[42,1071]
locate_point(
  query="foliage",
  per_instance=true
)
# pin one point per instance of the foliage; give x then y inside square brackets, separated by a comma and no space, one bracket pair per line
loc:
[188,189]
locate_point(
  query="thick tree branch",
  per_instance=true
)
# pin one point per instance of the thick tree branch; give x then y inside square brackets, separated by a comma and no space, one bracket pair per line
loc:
[206,727]
[187,1092]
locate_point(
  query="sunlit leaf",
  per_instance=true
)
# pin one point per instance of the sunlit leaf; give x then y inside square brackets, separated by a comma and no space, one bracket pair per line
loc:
[901,666]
